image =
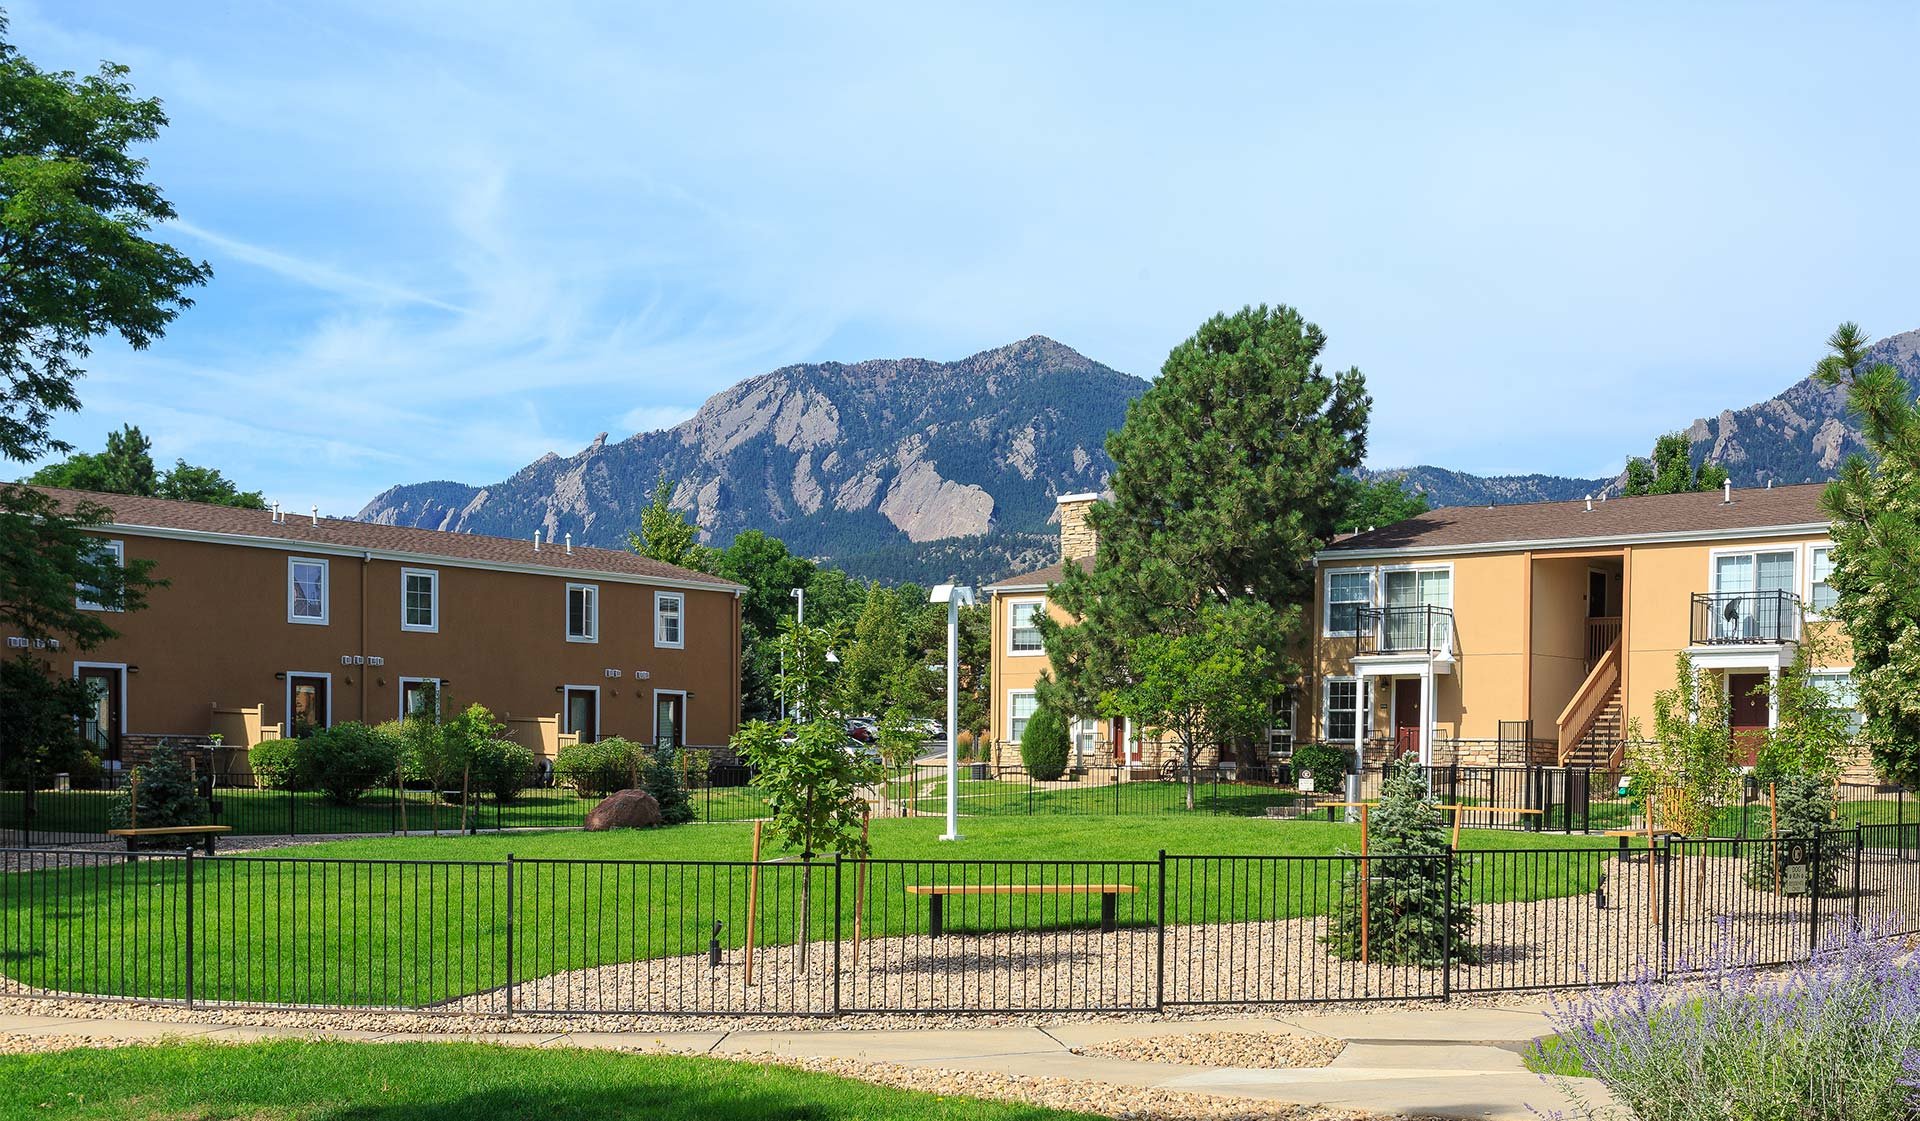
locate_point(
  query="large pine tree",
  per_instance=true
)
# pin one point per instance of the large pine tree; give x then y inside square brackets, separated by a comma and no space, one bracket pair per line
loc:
[1225,484]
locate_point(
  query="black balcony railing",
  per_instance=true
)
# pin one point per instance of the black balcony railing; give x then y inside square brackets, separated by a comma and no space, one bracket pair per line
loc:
[1405,630]
[1734,618]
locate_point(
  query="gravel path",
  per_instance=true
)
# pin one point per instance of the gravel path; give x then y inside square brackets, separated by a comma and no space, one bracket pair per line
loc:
[1246,1050]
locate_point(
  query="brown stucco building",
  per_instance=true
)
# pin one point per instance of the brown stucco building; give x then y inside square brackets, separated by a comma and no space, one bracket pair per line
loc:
[270,623]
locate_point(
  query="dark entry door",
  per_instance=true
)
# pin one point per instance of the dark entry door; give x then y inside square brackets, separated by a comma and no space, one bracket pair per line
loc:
[1747,712]
[1597,595]
[1406,716]
[307,704]
[100,728]
[669,719]
[583,715]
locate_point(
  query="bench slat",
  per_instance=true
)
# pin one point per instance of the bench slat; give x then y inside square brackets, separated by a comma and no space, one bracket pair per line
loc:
[1021,889]
[169,830]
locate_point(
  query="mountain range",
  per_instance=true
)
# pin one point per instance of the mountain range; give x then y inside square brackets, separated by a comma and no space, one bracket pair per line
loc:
[911,469]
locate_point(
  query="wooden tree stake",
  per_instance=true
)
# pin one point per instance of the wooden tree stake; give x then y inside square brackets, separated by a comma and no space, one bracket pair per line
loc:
[753,898]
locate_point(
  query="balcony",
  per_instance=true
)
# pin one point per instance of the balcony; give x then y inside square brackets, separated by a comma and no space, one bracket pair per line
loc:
[1745,618]
[1401,631]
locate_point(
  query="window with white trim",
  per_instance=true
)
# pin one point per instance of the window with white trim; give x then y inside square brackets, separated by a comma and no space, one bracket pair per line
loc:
[1020,709]
[1840,689]
[420,696]
[419,599]
[1023,630]
[1348,590]
[1280,735]
[669,619]
[583,613]
[85,596]
[306,590]
[1820,595]
[1340,709]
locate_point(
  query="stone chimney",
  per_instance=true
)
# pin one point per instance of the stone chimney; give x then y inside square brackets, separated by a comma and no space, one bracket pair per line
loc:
[1076,536]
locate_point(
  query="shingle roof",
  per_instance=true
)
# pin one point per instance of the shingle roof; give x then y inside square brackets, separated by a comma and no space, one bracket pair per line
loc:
[1682,515]
[1039,579]
[299,530]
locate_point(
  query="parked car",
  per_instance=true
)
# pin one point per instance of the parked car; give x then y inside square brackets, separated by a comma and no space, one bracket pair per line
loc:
[862,729]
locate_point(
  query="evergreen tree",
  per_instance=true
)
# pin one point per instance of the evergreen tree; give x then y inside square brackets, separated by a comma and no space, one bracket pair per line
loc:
[1414,916]
[1671,469]
[126,467]
[1044,744]
[164,793]
[1876,552]
[1225,486]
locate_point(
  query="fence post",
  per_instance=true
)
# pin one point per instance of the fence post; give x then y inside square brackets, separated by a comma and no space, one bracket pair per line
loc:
[26,813]
[1813,897]
[1160,938]
[510,932]
[293,824]
[1661,864]
[1859,854]
[837,868]
[191,940]
[1446,935]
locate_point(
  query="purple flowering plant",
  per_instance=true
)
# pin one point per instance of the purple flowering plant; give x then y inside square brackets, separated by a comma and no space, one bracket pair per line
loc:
[1834,1038]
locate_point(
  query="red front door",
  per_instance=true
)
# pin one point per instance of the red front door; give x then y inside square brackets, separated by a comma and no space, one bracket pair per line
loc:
[1747,712]
[1406,716]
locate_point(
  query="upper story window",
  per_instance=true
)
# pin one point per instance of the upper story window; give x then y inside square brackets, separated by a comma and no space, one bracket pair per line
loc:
[1820,595]
[1348,590]
[86,597]
[1021,705]
[669,619]
[419,599]
[1023,629]
[1420,587]
[1753,572]
[583,613]
[306,590]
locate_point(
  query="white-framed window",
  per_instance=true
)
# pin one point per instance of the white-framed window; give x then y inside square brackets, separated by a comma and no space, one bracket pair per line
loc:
[1748,604]
[1769,570]
[419,599]
[420,696]
[1416,588]
[1839,687]
[1340,709]
[1280,727]
[1820,595]
[86,597]
[669,620]
[1348,590]
[307,590]
[1023,630]
[583,613]
[1021,704]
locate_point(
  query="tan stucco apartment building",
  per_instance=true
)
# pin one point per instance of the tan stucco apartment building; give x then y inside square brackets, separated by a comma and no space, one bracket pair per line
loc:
[1535,633]
[273,623]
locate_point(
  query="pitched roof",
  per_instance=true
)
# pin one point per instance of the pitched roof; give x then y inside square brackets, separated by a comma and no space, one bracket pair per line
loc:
[1702,513]
[1038,579]
[301,531]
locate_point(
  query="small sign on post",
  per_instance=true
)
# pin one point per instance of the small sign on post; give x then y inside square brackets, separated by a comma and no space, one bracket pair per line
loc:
[1796,873]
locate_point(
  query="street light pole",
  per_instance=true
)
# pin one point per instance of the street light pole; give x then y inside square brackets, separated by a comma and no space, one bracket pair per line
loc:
[799,595]
[955,595]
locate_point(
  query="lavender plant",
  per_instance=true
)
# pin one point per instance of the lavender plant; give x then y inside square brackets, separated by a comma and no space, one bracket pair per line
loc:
[1836,1038]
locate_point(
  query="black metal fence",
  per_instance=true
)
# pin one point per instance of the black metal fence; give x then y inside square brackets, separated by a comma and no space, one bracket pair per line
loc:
[844,936]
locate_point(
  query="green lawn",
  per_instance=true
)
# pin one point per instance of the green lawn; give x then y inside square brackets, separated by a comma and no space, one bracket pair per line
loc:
[343,923]
[927,794]
[294,1081]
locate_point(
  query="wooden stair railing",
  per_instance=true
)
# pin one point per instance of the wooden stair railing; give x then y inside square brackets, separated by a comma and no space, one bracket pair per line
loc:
[1589,701]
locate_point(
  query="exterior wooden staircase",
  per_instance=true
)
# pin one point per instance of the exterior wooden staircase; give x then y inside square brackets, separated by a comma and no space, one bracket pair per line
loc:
[1592,731]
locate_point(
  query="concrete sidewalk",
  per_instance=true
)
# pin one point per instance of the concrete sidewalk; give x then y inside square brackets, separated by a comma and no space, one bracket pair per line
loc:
[1458,1062]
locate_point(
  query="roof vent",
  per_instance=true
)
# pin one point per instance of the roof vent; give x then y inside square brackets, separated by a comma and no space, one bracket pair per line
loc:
[1589,503]
[315,515]
[536,540]
[1769,484]
[569,544]
[277,515]
[1726,493]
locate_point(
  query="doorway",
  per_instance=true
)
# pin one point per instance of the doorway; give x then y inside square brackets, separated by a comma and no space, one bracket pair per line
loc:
[583,712]
[1747,712]
[100,727]
[1407,724]
[309,702]
[669,719]
[1597,594]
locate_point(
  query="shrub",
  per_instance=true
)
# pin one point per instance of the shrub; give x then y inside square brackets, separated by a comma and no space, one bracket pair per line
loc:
[276,763]
[1329,763]
[597,769]
[502,769]
[345,761]
[1415,916]
[1832,1040]
[1044,744]
[1804,806]
[660,776]
[166,792]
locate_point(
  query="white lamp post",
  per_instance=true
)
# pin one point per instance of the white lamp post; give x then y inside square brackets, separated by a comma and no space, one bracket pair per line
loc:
[799,595]
[954,596]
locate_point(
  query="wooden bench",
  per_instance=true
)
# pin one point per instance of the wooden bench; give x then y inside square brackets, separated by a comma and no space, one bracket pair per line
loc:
[1627,835]
[937,893]
[205,833]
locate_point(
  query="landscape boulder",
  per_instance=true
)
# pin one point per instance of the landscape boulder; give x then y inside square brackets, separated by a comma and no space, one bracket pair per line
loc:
[624,809]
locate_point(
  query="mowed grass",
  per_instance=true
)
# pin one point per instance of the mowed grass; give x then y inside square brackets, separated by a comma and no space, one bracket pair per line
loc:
[309,1081]
[927,794]
[411,921]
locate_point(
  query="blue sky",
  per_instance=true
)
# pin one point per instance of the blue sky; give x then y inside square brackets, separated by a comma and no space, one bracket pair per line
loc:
[449,237]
